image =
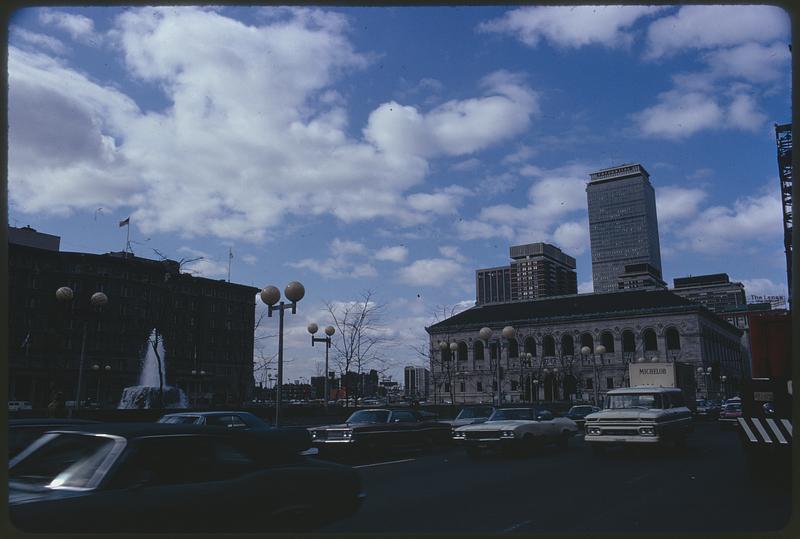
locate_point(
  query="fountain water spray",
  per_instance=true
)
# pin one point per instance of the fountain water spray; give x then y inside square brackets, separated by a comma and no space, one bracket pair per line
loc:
[148,393]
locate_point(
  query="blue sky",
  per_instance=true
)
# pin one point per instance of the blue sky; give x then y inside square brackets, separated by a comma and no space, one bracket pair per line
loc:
[395,149]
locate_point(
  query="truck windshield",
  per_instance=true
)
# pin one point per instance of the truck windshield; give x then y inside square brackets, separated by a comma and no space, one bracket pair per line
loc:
[642,400]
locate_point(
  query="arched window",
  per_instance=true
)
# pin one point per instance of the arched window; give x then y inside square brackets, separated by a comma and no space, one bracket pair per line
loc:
[513,348]
[587,340]
[462,351]
[607,340]
[549,346]
[530,346]
[567,345]
[628,342]
[673,339]
[650,341]
[493,349]
[477,351]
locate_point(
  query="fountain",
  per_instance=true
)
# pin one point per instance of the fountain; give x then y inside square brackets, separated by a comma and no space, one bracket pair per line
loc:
[148,394]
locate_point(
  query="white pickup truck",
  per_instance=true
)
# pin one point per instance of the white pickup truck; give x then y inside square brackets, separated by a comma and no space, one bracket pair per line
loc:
[644,414]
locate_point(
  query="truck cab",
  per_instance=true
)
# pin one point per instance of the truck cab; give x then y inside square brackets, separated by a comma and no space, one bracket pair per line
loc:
[639,415]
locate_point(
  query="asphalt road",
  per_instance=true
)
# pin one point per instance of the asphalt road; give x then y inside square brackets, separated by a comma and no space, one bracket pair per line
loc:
[702,488]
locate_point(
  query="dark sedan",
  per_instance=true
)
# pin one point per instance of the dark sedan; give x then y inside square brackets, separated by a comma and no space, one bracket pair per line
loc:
[380,430]
[237,420]
[21,432]
[176,478]
[578,413]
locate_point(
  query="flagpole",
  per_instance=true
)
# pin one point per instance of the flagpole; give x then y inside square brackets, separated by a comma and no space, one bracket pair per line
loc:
[230,256]
[128,236]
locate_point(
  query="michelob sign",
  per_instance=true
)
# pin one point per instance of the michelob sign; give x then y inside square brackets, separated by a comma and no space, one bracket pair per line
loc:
[652,374]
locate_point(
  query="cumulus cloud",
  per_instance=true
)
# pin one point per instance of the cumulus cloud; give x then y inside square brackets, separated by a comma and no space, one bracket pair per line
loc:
[707,27]
[474,230]
[397,253]
[743,113]
[751,61]
[572,237]
[80,28]
[586,287]
[570,27]
[763,287]
[675,203]
[443,201]
[204,266]
[719,229]
[431,272]
[343,263]
[71,133]
[20,37]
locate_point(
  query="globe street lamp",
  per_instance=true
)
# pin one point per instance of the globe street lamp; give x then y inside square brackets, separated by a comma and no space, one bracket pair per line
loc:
[599,350]
[509,333]
[723,386]
[270,295]
[96,301]
[526,360]
[485,334]
[329,331]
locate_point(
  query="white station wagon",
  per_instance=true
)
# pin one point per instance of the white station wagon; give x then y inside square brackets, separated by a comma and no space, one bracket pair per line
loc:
[515,429]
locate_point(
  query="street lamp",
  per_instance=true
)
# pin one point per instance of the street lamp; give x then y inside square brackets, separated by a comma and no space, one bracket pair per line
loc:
[723,386]
[270,295]
[97,300]
[96,368]
[535,389]
[485,334]
[509,333]
[705,374]
[526,360]
[585,352]
[198,376]
[329,331]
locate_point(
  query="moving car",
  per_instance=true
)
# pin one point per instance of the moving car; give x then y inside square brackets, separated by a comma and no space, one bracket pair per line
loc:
[238,420]
[381,429]
[21,432]
[578,413]
[149,477]
[730,414]
[515,429]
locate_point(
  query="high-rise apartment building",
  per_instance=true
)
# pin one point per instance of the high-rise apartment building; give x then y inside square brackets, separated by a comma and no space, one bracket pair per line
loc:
[623,225]
[416,382]
[715,292]
[537,270]
[638,276]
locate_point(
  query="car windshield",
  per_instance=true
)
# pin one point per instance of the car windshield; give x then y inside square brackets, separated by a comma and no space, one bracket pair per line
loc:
[472,413]
[580,410]
[63,461]
[369,416]
[179,419]
[511,414]
[645,401]
[733,407]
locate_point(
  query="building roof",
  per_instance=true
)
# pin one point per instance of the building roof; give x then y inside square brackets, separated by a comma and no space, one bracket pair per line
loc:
[577,306]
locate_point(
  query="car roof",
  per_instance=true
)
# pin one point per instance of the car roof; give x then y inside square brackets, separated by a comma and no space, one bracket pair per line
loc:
[141,430]
[640,389]
[45,421]
[207,414]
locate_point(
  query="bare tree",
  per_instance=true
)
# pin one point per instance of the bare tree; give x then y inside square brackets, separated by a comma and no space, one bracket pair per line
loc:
[442,364]
[359,338]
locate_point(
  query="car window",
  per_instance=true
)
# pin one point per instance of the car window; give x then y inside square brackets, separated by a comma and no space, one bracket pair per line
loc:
[179,419]
[403,417]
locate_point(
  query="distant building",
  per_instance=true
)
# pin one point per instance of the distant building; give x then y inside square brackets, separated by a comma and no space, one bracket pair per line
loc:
[715,292]
[623,224]
[207,325]
[638,276]
[537,270]
[416,382]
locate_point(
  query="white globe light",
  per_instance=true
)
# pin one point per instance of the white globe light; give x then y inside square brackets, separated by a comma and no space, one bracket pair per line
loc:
[700,369]
[600,349]
[586,350]
[509,332]
[313,328]
[485,333]
[98,299]
[294,291]
[270,295]
[453,346]
[330,330]
[64,293]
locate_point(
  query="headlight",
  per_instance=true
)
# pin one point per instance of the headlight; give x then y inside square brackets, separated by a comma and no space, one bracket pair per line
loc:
[647,431]
[348,433]
[457,434]
[508,434]
[313,434]
[594,431]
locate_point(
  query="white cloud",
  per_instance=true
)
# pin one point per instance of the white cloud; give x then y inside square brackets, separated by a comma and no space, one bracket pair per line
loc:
[679,115]
[720,229]
[467,165]
[80,28]
[573,27]
[397,253]
[452,252]
[431,272]
[586,287]
[39,40]
[743,113]
[250,260]
[455,127]
[675,203]
[347,247]
[206,266]
[572,237]
[751,61]
[707,27]
[474,230]
[342,263]
[443,201]
[763,287]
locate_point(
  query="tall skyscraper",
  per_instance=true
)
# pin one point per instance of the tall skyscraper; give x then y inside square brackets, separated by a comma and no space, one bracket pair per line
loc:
[623,225]
[537,270]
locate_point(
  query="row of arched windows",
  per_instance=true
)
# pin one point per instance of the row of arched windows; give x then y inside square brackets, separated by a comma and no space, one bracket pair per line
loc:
[548,345]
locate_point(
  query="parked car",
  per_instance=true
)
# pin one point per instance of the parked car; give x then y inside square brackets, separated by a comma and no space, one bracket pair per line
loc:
[238,420]
[471,414]
[516,429]
[730,415]
[21,432]
[578,413]
[379,430]
[138,478]
[15,406]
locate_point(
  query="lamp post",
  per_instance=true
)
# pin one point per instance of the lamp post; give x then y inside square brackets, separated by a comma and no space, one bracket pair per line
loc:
[509,333]
[198,381]
[723,386]
[270,295]
[485,334]
[329,331]
[705,374]
[525,360]
[97,301]
[535,389]
[96,368]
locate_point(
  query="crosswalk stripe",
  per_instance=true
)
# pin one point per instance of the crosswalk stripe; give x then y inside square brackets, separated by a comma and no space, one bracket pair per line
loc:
[788,426]
[761,430]
[776,430]
[747,430]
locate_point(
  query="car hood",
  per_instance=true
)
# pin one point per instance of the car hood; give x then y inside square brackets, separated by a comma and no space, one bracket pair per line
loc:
[461,422]
[625,414]
[497,425]
[19,494]
[345,426]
